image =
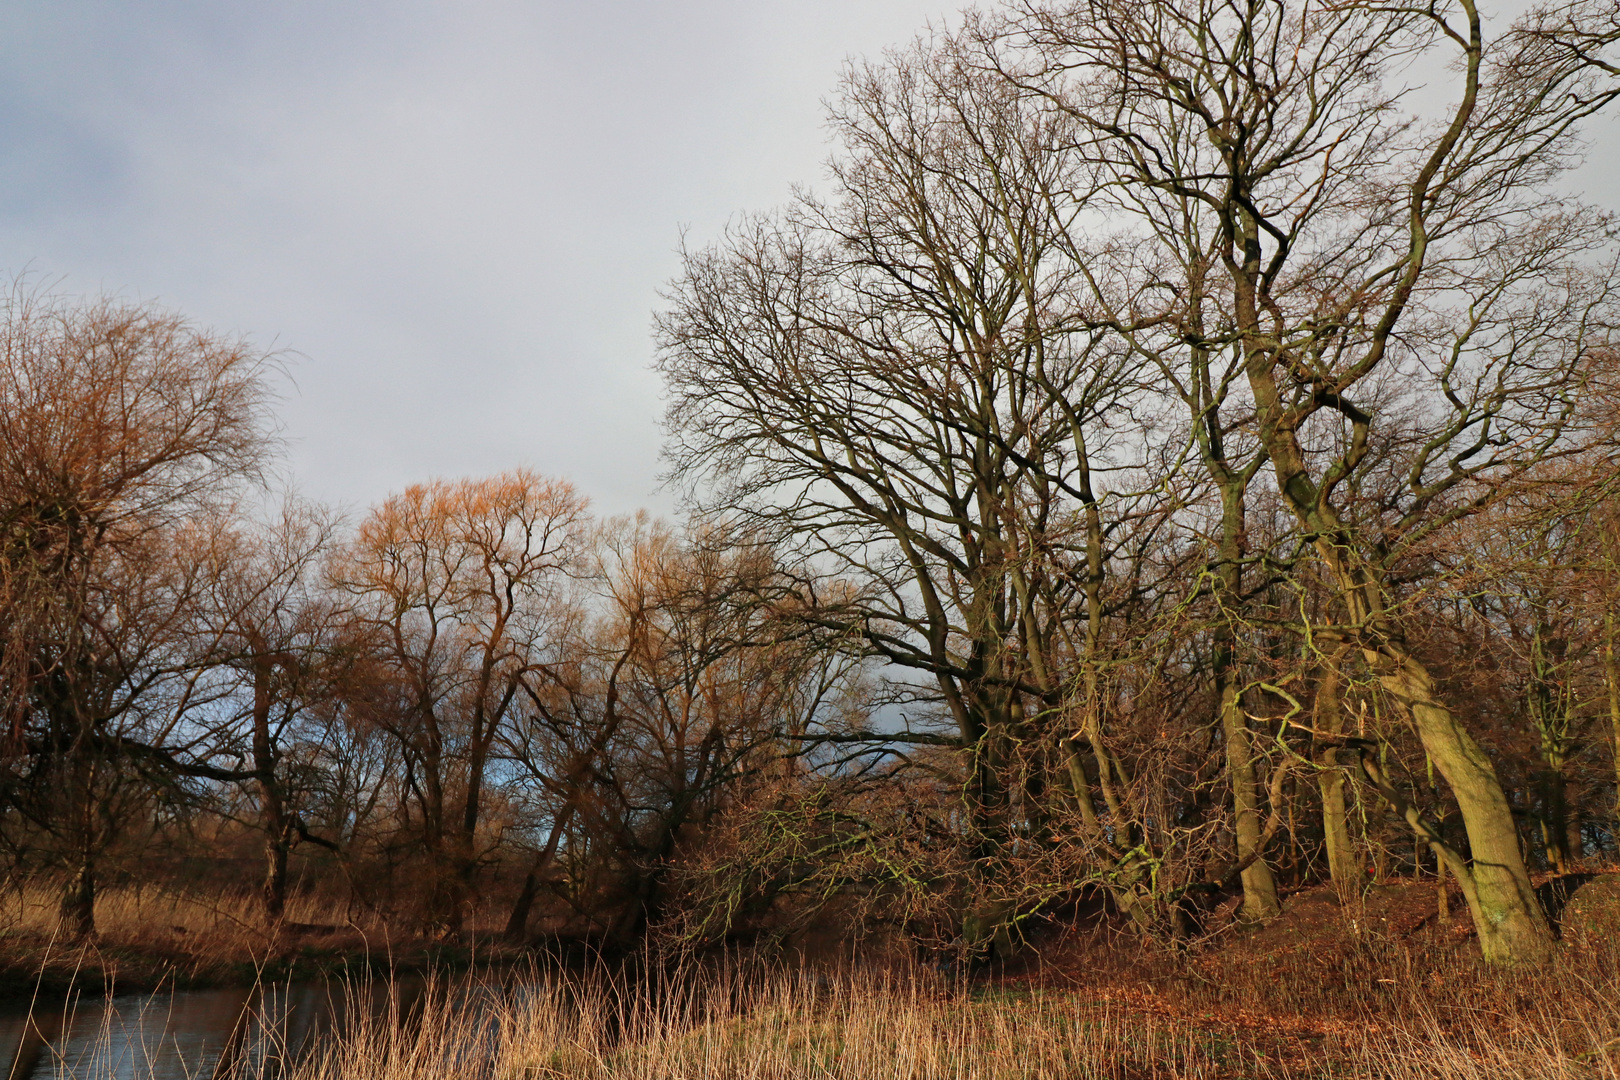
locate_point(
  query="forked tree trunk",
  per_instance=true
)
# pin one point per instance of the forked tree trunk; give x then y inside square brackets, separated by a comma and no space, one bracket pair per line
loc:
[442,910]
[517,923]
[1507,915]
[1512,927]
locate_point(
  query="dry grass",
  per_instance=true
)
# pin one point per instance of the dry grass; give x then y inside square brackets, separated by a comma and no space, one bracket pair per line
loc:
[1310,1004]
[782,1028]
[129,914]
[911,1027]
[733,1024]
[150,935]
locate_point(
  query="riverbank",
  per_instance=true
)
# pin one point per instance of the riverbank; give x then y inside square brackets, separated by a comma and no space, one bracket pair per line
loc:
[1391,1013]
[1388,987]
[152,939]
[1365,999]
[42,969]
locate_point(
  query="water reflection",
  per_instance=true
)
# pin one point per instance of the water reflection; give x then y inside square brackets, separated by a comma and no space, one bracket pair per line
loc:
[190,1034]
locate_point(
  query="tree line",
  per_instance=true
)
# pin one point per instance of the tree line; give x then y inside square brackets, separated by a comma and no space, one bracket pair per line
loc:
[1174,457]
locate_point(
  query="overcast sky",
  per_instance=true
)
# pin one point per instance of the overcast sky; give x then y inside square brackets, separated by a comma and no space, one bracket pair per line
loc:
[456,214]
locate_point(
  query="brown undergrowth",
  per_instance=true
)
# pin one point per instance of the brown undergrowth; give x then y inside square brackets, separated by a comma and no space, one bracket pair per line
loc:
[865,1025]
[152,936]
[1378,988]
[1384,982]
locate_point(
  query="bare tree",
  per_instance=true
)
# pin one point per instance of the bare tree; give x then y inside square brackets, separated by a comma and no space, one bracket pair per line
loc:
[895,384]
[278,628]
[118,425]
[458,586]
[1356,245]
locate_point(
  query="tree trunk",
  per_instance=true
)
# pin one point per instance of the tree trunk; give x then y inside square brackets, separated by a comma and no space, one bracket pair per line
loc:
[1080,787]
[445,914]
[990,807]
[1555,818]
[1512,927]
[517,923]
[272,809]
[76,913]
[1611,672]
[1260,901]
[1343,868]
[1549,707]
[275,878]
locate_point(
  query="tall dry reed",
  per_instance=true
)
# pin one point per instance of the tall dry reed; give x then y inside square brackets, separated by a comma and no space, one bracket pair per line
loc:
[866,1026]
[854,1026]
[1396,1015]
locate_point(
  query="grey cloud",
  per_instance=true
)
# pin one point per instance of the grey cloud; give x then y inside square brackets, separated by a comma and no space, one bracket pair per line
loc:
[458,215]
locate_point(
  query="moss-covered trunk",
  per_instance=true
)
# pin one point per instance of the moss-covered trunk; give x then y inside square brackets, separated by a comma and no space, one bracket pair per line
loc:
[1512,927]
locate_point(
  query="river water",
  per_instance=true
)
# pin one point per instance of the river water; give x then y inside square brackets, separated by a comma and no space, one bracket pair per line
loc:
[187,1034]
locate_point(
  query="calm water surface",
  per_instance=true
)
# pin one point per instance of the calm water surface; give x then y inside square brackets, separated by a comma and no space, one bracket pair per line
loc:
[185,1034]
